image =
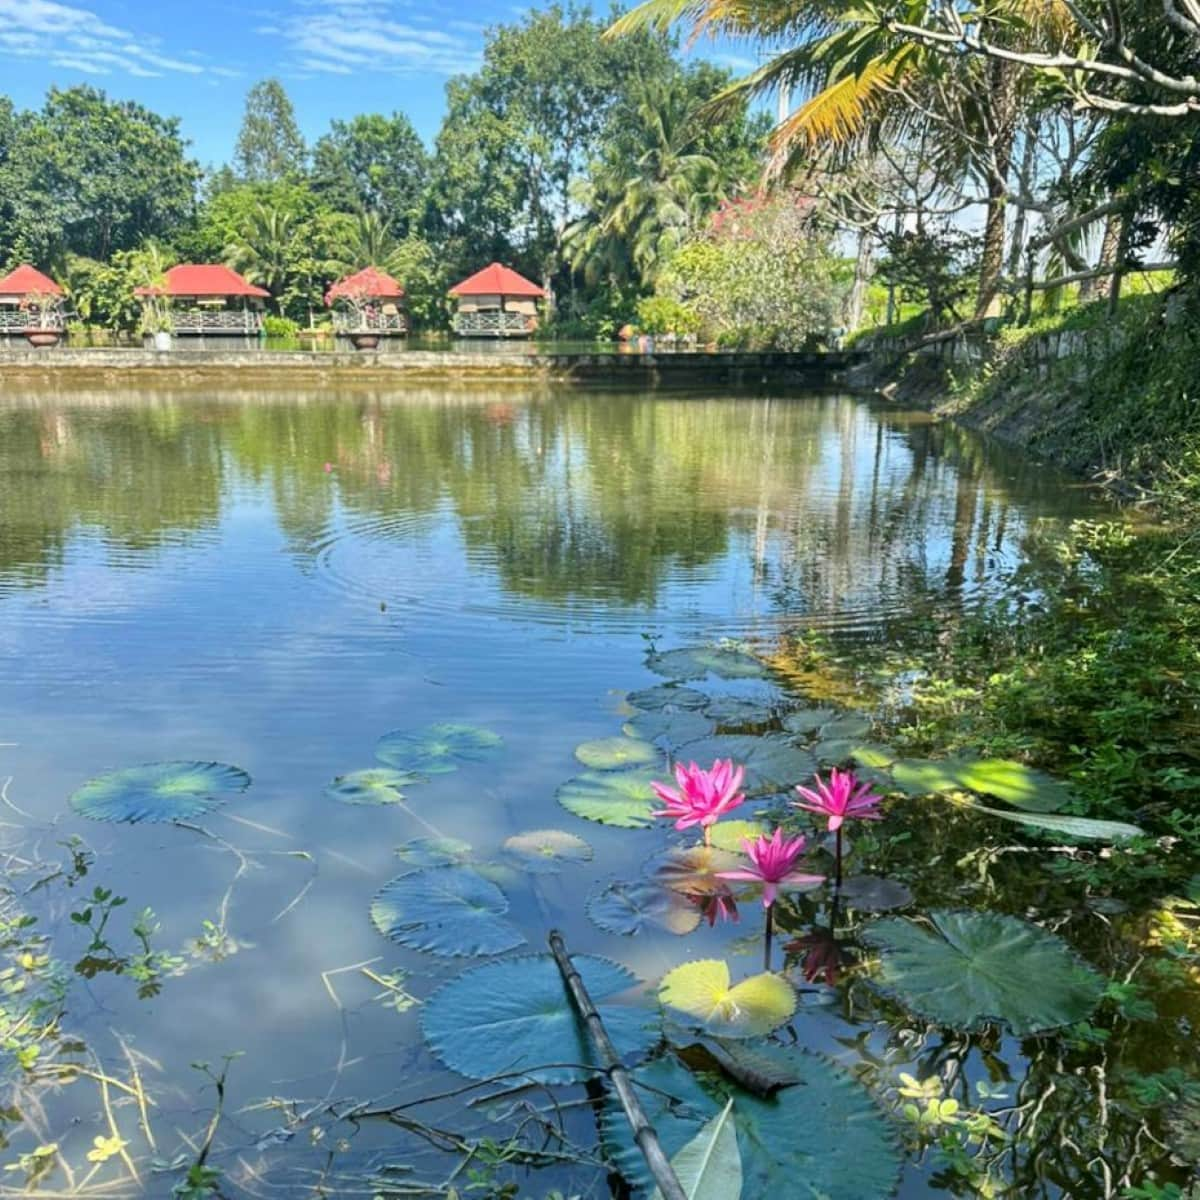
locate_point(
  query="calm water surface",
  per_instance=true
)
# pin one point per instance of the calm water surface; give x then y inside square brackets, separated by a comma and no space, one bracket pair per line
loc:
[275,580]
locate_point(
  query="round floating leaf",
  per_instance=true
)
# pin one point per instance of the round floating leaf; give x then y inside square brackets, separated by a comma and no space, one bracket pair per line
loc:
[610,754]
[450,911]
[731,710]
[166,791]
[437,749]
[1013,782]
[972,968]
[667,695]
[699,995]
[695,662]
[871,893]
[543,851]
[672,728]
[848,725]
[516,1015]
[434,852]
[628,908]
[860,754]
[773,762]
[693,869]
[728,835]
[375,785]
[807,720]
[1083,828]
[823,1137]
[621,798]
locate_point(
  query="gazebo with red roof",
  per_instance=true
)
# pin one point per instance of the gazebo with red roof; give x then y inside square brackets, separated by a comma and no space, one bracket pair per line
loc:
[496,302]
[31,304]
[367,303]
[209,298]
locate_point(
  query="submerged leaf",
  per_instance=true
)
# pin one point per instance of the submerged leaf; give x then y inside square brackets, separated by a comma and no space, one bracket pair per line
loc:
[699,993]
[1013,782]
[695,662]
[667,696]
[375,785]
[434,852]
[973,968]
[437,749]
[709,1167]
[610,754]
[166,791]
[543,851]
[773,761]
[516,1016]
[628,908]
[621,798]
[451,911]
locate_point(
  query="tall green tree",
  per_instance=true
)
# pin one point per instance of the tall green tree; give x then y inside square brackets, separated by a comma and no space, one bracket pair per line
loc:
[373,163]
[269,145]
[266,250]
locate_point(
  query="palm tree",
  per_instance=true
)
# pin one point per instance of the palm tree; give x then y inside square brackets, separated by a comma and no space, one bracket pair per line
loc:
[371,243]
[266,250]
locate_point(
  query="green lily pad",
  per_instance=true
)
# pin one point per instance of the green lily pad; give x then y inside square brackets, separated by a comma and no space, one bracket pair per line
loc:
[434,852]
[375,785]
[451,911]
[848,725]
[670,728]
[437,749]
[1016,784]
[667,696]
[701,995]
[629,907]
[1084,828]
[695,662]
[516,1015]
[773,761]
[621,798]
[733,711]
[784,1140]
[848,750]
[709,1167]
[968,969]
[693,870]
[807,720]
[611,754]
[543,851]
[728,835]
[166,791]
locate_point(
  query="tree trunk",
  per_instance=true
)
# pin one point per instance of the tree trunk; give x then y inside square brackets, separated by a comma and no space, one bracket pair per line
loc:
[1101,288]
[1028,162]
[862,277]
[1001,111]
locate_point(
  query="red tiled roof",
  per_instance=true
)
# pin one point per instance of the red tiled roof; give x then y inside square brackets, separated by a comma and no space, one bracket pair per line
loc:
[195,279]
[27,280]
[370,281]
[496,280]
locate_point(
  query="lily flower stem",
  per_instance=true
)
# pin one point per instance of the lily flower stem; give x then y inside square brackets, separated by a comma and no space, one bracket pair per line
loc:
[767,932]
[838,878]
[708,835]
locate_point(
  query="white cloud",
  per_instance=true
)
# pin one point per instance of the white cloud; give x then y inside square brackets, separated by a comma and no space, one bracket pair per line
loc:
[341,37]
[78,39]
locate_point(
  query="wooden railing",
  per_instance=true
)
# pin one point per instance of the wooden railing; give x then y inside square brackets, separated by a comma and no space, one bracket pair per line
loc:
[216,320]
[369,322]
[493,322]
[19,320]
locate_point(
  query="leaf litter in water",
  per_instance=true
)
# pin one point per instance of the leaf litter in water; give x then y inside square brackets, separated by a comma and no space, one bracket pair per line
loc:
[701,995]
[621,798]
[165,791]
[613,753]
[437,749]
[967,969]
[450,911]
[629,907]
[375,785]
[543,851]
[516,1015]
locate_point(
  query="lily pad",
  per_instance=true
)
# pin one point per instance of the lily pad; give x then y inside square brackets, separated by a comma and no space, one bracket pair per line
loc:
[849,725]
[611,754]
[709,1167]
[695,662]
[860,754]
[670,728]
[733,711]
[728,835]
[1016,784]
[516,1015]
[437,749]
[773,761]
[543,851]
[693,870]
[375,785]
[807,720]
[873,893]
[1084,828]
[667,696]
[628,908]
[700,995]
[784,1140]
[434,852]
[974,968]
[451,911]
[621,798]
[165,791]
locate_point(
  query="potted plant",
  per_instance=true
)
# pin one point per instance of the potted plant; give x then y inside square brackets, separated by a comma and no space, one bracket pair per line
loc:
[361,306]
[45,327]
[156,323]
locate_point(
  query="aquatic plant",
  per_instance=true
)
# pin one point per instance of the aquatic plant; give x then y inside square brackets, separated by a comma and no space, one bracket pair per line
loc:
[703,796]
[843,797]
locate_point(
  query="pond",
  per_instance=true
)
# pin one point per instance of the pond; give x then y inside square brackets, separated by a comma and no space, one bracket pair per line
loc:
[509,605]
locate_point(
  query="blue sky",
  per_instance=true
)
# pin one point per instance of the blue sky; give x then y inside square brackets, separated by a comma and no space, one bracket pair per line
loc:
[195,60]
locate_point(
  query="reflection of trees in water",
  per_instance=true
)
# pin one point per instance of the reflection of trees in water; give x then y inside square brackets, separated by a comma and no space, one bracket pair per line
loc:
[585,494]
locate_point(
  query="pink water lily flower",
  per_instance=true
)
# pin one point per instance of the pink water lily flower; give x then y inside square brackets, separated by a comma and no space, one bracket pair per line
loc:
[703,797]
[773,861]
[840,799]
